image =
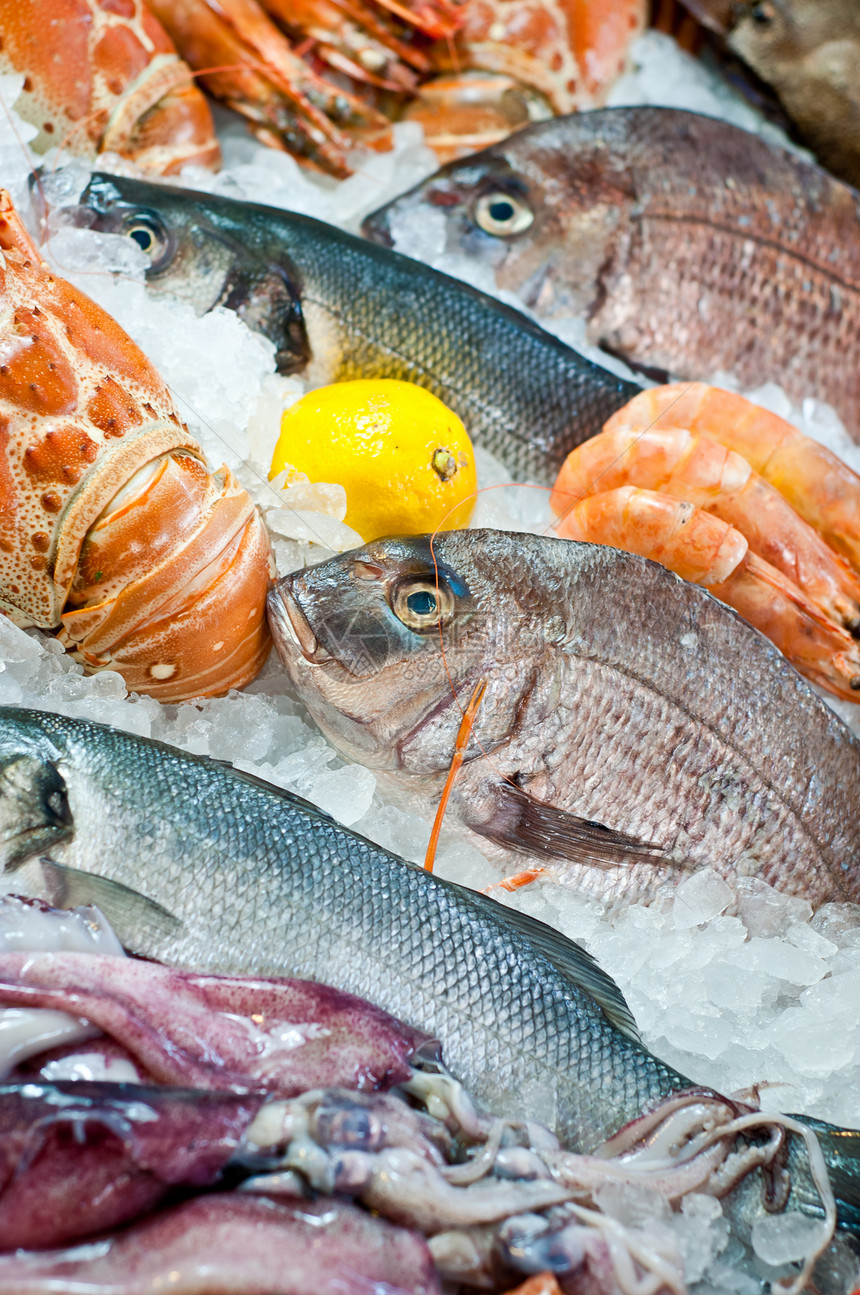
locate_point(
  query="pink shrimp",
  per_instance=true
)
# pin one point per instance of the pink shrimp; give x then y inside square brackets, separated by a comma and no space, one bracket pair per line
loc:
[707,551]
[704,473]
[817,484]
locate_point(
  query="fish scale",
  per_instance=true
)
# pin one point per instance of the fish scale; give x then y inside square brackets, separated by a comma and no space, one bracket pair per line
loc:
[267,884]
[632,727]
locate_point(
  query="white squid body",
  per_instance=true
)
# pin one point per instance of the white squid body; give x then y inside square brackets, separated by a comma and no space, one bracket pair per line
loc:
[112,529]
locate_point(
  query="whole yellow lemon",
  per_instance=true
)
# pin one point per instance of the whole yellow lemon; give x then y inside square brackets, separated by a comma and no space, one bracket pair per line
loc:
[404,459]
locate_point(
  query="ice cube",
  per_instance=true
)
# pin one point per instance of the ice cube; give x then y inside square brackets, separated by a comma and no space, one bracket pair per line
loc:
[815,1047]
[802,935]
[701,1233]
[16,644]
[701,897]
[344,793]
[786,1238]
[838,922]
[766,911]
[315,527]
[632,1204]
[781,960]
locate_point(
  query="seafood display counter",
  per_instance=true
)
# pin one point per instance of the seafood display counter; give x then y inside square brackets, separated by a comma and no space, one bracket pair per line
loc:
[499,929]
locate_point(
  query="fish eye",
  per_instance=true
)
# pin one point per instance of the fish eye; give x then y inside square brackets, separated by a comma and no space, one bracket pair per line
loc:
[502,214]
[763,13]
[149,234]
[422,604]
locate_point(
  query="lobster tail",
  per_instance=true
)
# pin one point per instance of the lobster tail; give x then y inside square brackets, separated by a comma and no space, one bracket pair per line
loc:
[111,525]
[171,583]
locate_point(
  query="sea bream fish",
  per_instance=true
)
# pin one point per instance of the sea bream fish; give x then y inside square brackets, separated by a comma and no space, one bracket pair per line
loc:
[633,728]
[689,245]
[200,866]
[339,308]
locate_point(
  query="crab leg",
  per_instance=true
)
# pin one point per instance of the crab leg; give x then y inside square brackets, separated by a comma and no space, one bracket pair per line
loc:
[707,551]
[705,473]
[817,484]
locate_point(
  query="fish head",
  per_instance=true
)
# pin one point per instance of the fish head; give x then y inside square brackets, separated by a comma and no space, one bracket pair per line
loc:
[539,209]
[35,816]
[386,645]
[771,34]
[199,251]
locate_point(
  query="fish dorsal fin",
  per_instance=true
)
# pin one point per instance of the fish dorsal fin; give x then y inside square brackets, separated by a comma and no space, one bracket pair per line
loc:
[571,961]
[254,780]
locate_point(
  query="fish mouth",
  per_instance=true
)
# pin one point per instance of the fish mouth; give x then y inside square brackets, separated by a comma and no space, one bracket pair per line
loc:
[375,228]
[269,302]
[290,624]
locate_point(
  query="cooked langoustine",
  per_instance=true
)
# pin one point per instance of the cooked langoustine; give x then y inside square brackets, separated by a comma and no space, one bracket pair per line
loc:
[112,529]
[708,551]
[245,60]
[105,77]
[784,497]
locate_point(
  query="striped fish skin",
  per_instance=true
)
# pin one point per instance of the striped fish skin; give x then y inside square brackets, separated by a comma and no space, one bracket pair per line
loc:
[339,307]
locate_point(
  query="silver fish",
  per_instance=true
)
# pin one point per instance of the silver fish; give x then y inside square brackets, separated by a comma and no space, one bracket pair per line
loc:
[201,866]
[633,727]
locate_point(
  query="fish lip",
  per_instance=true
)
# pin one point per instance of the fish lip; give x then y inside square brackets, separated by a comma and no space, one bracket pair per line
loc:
[375,228]
[288,618]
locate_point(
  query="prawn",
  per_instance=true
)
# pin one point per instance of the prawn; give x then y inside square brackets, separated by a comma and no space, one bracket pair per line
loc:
[694,468]
[817,484]
[707,551]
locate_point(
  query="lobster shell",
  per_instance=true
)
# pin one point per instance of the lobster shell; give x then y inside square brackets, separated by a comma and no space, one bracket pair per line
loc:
[104,76]
[111,526]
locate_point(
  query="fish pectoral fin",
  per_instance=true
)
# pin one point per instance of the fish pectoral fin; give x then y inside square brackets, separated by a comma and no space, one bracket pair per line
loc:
[34,809]
[574,963]
[135,918]
[519,822]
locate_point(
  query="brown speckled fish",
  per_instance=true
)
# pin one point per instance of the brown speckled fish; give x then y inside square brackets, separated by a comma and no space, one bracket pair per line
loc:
[690,246]
[632,729]
[809,52]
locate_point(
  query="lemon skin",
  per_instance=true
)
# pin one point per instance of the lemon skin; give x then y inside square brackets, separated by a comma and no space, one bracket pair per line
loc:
[404,459]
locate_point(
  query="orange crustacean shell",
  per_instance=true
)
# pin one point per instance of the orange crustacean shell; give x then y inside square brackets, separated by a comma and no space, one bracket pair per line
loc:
[111,525]
[104,76]
[570,51]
